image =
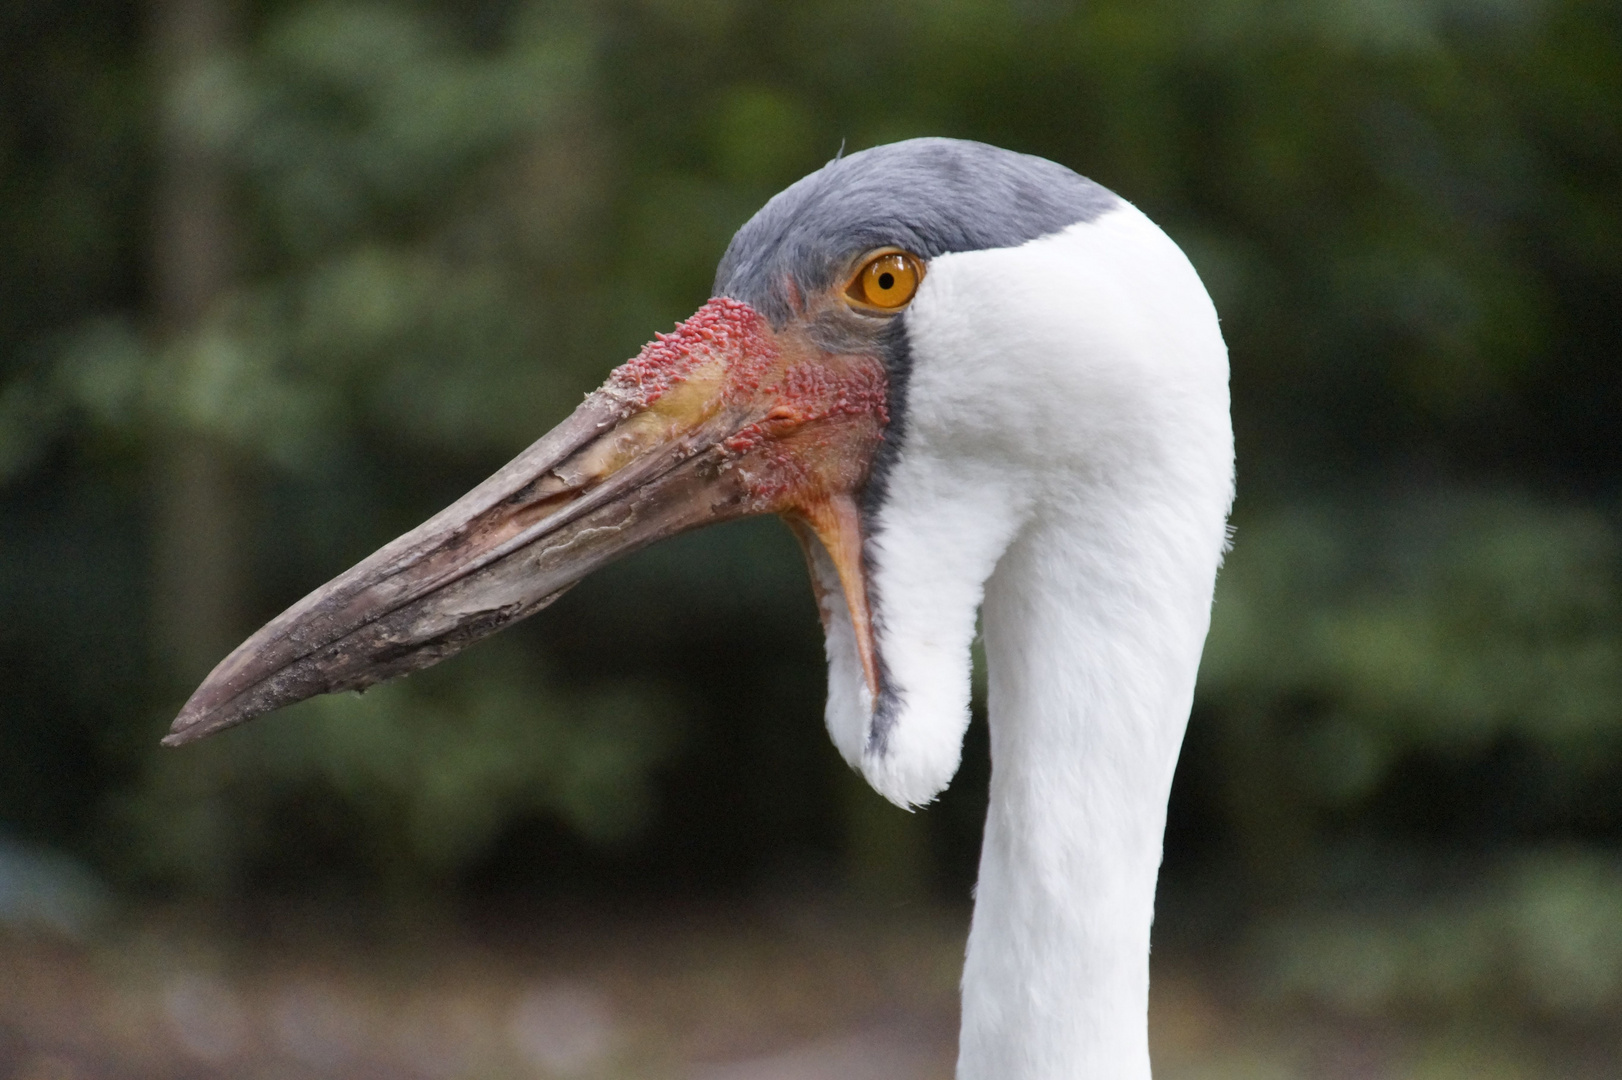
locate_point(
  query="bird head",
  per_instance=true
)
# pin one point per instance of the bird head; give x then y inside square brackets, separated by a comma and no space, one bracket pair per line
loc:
[877,365]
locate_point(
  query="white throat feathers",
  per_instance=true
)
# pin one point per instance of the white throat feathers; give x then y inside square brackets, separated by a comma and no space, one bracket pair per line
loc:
[1077,377]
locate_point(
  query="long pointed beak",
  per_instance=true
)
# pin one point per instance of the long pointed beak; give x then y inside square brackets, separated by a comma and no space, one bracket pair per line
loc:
[723,418]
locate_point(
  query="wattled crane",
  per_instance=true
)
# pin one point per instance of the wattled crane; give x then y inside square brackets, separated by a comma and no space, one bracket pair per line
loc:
[972,382]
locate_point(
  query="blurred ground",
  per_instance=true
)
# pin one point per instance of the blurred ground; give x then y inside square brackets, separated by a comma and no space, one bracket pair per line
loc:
[786,989]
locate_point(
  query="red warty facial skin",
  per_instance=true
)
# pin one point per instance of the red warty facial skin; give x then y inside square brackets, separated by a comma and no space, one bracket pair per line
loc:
[809,421]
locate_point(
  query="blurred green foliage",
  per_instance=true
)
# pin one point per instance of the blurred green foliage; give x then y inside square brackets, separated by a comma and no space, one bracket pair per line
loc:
[1540,930]
[449,220]
[428,771]
[1432,620]
[1357,640]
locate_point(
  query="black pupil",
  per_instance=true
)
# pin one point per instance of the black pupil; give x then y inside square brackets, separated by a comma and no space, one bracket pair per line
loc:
[887,280]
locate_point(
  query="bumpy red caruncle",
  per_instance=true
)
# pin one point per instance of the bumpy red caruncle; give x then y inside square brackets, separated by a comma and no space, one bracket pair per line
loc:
[724,329]
[809,420]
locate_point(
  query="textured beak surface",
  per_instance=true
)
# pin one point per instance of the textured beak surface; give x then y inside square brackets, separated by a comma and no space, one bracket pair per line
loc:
[721,419]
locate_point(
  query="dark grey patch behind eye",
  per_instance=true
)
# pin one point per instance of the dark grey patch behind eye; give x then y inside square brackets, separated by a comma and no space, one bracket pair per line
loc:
[896,350]
[927,196]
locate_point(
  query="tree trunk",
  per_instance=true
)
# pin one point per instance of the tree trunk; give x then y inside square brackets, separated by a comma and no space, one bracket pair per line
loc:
[198,579]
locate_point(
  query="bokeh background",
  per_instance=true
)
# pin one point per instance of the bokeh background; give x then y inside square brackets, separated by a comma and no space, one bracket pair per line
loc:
[280,278]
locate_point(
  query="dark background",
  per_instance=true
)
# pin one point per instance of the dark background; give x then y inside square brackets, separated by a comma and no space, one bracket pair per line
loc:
[278,280]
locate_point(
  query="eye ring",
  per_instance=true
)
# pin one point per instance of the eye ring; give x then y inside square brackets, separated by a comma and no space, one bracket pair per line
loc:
[886,280]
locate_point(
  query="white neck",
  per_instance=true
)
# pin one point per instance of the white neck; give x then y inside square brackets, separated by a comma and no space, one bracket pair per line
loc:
[1093,628]
[1067,459]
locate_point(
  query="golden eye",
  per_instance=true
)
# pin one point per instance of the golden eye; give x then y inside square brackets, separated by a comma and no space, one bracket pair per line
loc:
[887,282]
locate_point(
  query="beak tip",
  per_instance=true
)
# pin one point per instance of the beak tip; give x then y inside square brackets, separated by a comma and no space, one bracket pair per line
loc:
[196,721]
[187,729]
